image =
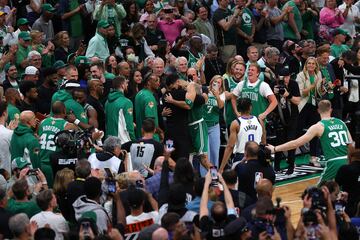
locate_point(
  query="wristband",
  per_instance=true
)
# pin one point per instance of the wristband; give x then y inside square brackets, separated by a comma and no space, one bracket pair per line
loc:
[44,183]
[274,149]
[76,122]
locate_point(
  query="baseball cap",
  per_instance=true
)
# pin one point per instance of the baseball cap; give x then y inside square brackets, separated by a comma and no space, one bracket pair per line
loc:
[19,163]
[59,64]
[24,35]
[82,60]
[90,216]
[2,13]
[47,7]
[340,31]
[284,72]
[71,84]
[22,21]
[7,67]
[236,227]
[31,70]
[103,24]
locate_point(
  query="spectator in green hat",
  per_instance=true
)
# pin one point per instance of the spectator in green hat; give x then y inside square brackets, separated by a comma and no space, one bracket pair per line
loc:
[44,23]
[338,46]
[23,26]
[24,47]
[98,46]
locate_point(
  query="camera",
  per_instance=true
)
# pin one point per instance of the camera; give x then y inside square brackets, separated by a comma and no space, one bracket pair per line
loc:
[214,176]
[190,78]
[264,155]
[317,198]
[263,225]
[339,207]
[281,86]
[32,172]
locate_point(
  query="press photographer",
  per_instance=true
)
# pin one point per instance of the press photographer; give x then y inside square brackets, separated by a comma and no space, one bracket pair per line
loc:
[288,95]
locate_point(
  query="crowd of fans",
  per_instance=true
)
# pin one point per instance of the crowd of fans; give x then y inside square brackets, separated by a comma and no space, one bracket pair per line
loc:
[113,114]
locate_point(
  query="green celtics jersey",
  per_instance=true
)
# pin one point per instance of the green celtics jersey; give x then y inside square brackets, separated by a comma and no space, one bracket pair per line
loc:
[196,112]
[212,113]
[259,103]
[192,60]
[145,107]
[13,112]
[334,139]
[48,128]
[288,31]
[229,84]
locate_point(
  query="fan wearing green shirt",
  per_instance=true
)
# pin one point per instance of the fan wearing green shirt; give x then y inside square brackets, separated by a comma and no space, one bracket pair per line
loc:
[24,47]
[334,136]
[13,99]
[338,46]
[146,105]
[294,25]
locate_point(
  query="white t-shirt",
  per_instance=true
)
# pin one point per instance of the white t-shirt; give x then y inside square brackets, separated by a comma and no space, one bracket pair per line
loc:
[264,88]
[56,221]
[348,25]
[5,155]
[154,215]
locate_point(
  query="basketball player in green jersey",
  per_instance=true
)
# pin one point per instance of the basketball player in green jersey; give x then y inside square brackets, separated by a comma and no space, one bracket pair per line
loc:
[48,128]
[334,137]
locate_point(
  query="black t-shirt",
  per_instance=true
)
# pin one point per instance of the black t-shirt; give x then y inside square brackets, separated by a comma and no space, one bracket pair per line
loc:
[179,115]
[99,109]
[289,110]
[61,160]
[4,224]
[246,173]
[224,37]
[212,230]
[153,37]
[348,177]
[45,95]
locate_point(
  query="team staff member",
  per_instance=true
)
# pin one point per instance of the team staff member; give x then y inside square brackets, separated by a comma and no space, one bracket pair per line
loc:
[119,112]
[145,150]
[146,104]
[334,137]
[243,129]
[48,128]
[262,97]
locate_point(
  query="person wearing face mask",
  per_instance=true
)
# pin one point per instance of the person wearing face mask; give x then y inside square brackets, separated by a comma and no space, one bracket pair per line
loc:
[23,142]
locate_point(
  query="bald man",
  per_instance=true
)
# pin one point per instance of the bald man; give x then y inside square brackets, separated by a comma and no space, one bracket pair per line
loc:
[96,91]
[124,69]
[23,142]
[264,188]
[13,99]
[160,234]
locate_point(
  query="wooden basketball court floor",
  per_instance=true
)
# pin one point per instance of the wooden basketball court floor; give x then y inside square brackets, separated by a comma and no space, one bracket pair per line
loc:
[291,196]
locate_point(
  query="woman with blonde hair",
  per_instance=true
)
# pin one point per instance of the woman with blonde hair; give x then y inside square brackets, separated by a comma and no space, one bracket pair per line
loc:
[47,52]
[309,81]
[61,182]
[235,72]
[215,102]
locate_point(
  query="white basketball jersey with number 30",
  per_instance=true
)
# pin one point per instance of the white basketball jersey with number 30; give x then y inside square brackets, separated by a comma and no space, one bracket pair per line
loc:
[250,130]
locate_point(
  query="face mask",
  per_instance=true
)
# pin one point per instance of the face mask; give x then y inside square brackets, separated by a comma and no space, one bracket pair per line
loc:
[132,58]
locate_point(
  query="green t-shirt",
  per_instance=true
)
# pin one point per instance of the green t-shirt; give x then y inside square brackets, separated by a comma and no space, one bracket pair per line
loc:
[13,112]
[48,128]
[307,19]
[30,208]
[21,54]
[259,103]
[145,107]
[325,73]
[334,139]
[212,114]
[337,50]
[288,31]
[192,60]
[76,29]
[196,112]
